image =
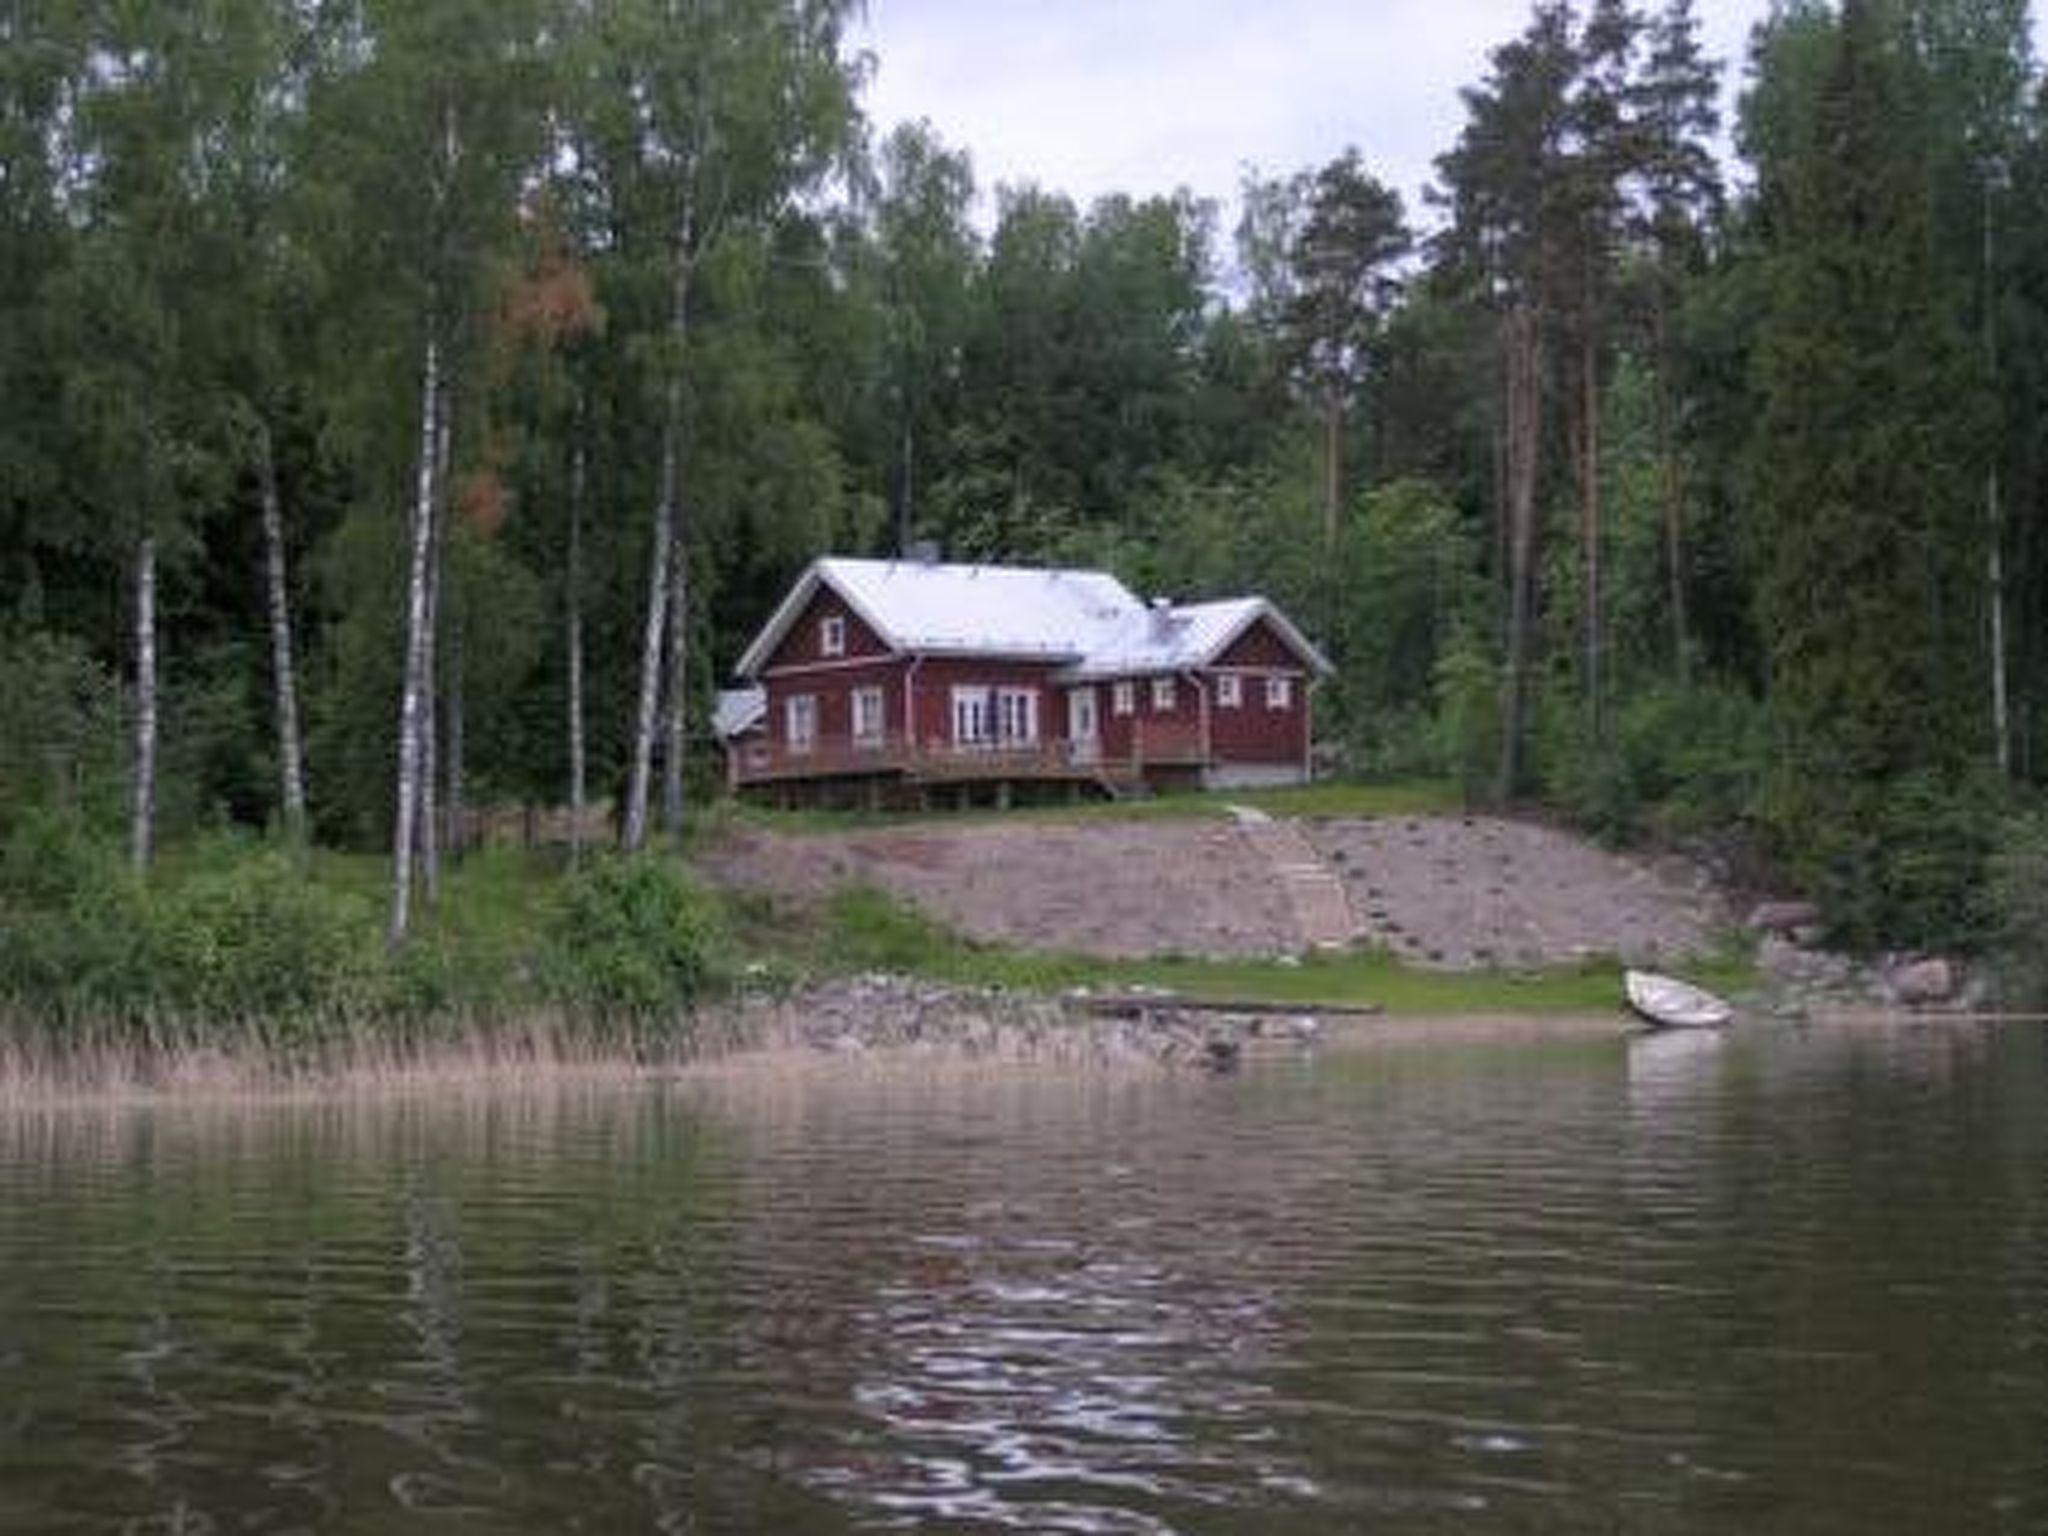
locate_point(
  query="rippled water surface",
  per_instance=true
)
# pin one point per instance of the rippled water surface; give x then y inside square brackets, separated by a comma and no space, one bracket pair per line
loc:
[1784,1283]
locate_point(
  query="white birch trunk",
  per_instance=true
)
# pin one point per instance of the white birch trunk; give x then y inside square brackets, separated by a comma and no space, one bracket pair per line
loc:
[662,595]
[634,832]
[429,837]
[284,673]
[405,823]
[142,818]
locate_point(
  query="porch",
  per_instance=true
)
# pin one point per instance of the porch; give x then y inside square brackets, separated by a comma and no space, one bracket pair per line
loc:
[1156,746]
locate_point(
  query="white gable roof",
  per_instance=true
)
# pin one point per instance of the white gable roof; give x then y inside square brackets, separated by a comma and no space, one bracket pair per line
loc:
[1086,619]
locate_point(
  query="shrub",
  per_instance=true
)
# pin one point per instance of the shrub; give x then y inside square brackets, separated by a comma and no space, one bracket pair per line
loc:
[633,938]
[247,936]
[1467,683]
[2018,903]
[61,736]
[1677,760]
[76,942]
[1900,862]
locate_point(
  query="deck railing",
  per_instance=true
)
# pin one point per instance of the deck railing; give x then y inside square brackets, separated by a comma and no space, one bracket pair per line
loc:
[1158,743]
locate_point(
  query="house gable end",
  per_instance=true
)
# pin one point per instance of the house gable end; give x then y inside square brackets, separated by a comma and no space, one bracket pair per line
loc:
[1266,640]
[804,638]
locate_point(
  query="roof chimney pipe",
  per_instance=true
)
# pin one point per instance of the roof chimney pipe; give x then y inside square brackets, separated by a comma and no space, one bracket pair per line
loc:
[922,552]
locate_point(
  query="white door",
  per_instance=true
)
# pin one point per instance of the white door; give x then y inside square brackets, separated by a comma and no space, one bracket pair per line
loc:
[1082,727]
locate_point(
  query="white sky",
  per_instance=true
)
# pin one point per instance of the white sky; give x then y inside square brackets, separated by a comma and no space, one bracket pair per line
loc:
[1144,96]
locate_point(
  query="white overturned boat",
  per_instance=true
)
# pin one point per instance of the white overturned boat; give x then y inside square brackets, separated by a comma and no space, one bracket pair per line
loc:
[1665,1002]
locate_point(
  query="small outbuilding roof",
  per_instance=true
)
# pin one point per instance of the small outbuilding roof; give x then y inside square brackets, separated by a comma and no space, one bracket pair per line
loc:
[1087,620]
[737,710]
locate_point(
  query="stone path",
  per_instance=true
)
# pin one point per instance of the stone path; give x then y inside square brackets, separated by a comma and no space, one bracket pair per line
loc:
[1315,892]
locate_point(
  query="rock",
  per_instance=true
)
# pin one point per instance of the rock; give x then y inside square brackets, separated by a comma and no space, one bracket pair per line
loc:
[1916,983]
[1786,963]
[1782,916]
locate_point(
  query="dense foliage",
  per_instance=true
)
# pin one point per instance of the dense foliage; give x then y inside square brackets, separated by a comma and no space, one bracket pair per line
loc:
[483,372]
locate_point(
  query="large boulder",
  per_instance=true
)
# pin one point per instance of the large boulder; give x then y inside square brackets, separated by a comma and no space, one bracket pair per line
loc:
[1783,917]
[1923,981]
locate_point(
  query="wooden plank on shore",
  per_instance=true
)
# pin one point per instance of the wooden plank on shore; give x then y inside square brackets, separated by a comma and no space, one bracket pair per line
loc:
[1135,1004]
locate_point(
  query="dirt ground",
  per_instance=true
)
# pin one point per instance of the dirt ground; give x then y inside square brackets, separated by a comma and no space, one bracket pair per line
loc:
[1444,891]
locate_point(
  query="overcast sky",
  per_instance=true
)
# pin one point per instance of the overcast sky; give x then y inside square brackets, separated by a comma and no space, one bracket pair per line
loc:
[1143,96]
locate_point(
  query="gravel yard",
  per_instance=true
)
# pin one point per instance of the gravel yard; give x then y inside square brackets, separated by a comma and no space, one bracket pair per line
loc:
[1473,891]
[1106,888]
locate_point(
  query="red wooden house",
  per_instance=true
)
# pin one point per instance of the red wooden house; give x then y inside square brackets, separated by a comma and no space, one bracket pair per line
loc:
[879,681]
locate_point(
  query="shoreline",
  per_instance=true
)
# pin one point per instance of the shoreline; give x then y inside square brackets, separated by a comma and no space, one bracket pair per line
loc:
[872,1022]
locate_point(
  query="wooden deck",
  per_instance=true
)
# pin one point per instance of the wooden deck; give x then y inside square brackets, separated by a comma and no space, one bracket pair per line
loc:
[936,763]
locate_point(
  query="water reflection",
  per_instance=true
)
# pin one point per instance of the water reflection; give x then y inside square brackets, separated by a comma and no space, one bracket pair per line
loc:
[1786,1282]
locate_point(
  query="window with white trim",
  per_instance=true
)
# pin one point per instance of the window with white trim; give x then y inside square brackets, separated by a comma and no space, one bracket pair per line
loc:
[1123,699]
[800,721]
[832,635]
[1229,690]
[868,727]
[1164,694]
[972,724]
[1279,693]
[1017,716]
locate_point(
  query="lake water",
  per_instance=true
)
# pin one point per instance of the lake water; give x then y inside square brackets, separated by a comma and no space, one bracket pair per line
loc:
[1782,1282]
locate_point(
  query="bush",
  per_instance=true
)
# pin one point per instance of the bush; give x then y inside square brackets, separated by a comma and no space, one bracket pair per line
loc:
[1693,756]
[633,938]
[62,745]
[1467,682]
[2018,905]
[76,938]
[1900,862]
[1679,761]
[247,936]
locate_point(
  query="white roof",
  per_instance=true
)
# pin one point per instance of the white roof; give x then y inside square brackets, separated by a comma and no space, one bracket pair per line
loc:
[736,709]
[1086,619]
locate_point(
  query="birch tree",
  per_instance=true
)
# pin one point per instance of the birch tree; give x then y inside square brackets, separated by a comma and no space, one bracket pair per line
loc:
[702,117]
[430,122]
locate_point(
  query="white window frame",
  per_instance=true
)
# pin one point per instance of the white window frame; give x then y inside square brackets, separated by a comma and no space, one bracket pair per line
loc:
[1165,696]
[870,717]
[1280,691]
[800,723]
[1123,698]
[973,718]
[1016,716]
[1229,690]
[832,635]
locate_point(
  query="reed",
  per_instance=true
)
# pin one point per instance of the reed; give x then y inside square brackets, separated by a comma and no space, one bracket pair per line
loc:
[246,1058]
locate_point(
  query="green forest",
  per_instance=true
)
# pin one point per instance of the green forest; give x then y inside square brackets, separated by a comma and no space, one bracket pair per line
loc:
[414,405]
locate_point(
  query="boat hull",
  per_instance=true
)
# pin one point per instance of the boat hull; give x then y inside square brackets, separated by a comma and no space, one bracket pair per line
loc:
[1665,1002]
